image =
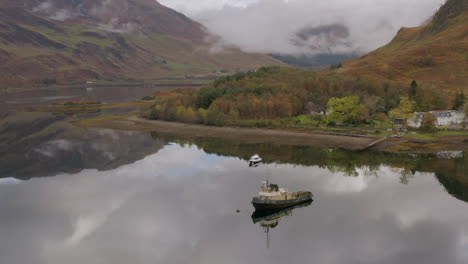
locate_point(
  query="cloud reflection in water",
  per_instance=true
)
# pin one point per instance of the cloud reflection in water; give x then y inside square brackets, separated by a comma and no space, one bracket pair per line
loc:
[178,206]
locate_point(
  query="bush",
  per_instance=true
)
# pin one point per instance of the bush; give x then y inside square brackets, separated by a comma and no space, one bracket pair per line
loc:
[336,66]
[424,61]
[148,98]
[263,123]
[304,119]
[49,81]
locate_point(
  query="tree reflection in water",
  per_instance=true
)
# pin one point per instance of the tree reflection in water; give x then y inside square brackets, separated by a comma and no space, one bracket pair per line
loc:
[450,172]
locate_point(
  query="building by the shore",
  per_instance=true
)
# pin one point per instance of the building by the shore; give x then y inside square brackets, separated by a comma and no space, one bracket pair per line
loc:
[444,118]
[315,109]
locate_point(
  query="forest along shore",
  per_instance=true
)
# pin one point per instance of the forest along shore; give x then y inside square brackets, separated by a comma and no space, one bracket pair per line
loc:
[279,136]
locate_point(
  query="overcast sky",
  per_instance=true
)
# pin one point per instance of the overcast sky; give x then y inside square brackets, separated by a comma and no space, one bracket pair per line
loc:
[330,26]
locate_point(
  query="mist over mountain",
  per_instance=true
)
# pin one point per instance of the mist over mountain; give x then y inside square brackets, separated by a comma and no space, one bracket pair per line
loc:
[435,54]
[64,41]
[308,27]
[118,15]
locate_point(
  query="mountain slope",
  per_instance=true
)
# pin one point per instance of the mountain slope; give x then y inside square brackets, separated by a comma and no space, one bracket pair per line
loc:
[74,41]
[435,54]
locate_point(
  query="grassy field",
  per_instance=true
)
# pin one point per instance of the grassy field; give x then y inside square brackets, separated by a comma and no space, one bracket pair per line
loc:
[435,135]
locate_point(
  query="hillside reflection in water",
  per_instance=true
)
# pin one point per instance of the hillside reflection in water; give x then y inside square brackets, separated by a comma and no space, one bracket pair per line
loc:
[179,206]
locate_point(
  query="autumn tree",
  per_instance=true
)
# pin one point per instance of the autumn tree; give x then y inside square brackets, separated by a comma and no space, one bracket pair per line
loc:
[346,110]
[428,122]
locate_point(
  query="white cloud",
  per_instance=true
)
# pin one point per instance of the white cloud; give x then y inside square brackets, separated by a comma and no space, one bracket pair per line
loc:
[271,25]
[193,7]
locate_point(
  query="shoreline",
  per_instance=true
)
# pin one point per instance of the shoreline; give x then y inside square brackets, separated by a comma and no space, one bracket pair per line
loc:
[149,83]
[280,136]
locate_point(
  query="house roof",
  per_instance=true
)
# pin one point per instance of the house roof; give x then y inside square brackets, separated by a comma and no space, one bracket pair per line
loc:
[438,114]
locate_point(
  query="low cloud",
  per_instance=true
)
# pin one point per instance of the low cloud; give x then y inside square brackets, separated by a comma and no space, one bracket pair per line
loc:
[307,27]
[48,9]
[61,15]
[101,11]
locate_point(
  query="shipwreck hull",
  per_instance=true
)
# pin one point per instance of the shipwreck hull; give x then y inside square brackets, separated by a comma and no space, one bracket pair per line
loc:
[261,204]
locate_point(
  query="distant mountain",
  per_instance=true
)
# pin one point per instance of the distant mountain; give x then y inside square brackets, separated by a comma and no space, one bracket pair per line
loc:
[313,61]
[316,39]
[436,54]
[73,41]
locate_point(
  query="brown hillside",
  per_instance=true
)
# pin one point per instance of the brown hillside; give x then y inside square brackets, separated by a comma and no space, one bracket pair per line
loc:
[434,54]
[117,40]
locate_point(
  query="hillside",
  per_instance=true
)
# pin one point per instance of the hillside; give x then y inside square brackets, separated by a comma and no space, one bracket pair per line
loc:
[112,40]
[434,54]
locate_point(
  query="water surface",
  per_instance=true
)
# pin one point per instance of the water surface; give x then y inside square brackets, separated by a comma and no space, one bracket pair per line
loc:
[15,100]
[176,201]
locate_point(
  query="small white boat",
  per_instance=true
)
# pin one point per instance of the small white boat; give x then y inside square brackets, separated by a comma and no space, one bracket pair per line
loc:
[255,159]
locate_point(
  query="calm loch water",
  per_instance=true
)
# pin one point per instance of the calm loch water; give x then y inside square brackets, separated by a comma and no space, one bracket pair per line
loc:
[11,99]
[152,199]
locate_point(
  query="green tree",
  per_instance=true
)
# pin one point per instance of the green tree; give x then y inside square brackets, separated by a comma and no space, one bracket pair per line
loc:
[428,122]
[233,115]
[180,113]
[190,115]
[381,117]
[215,117]
[156,112]
[465,120]
[207,95]
[202,115]
[374,104]
[391,97]
[405,109]
[413,91]
[460,100]
[438,99]
[346,110]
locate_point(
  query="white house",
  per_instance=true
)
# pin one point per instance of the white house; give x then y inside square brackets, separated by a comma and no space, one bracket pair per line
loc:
[315,109]
[444,118]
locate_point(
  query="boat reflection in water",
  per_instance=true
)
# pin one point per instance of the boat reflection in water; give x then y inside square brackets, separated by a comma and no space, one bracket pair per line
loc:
[273,203]
[255,161]
[270,218]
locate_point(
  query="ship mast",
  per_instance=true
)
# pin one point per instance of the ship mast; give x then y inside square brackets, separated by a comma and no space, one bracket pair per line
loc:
[267,175]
